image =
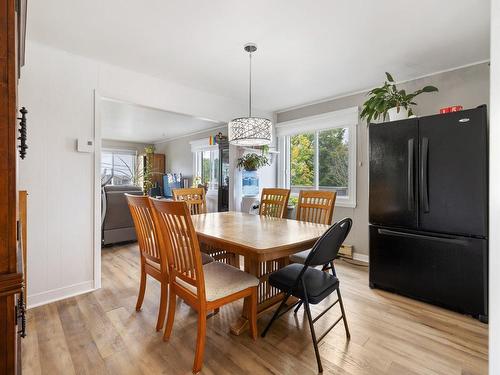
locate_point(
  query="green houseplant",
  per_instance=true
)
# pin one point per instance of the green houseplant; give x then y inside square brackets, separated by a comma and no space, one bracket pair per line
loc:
[147,173]
[250,178]
[252,161]
[387,99]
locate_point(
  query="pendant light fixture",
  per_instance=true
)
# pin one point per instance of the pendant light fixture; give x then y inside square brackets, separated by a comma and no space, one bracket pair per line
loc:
[250,131]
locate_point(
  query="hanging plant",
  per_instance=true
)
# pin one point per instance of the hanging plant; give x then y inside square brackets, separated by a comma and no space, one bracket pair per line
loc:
[252,162]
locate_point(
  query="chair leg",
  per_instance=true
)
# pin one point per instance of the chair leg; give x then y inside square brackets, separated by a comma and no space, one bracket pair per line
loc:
[163,306]
[142,290]
[334,273]
[200,341]
[171,315]
[298,307]
[276,313]
[347,333]
[313,334]
[253,313]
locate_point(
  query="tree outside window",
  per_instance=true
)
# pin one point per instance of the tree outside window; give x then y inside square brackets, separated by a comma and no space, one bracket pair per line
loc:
[320,160]
[334,160]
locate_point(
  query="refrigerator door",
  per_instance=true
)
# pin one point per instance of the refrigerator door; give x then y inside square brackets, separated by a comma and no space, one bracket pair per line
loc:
[393,178]
[453,173]
[450,271]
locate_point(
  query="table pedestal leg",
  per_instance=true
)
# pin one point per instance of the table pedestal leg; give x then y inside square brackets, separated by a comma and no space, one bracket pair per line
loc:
[267,296]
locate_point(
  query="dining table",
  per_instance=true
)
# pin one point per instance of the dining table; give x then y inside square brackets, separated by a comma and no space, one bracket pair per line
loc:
[265,244]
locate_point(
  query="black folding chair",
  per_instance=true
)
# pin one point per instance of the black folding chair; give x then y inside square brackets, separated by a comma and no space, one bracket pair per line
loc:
[311,285]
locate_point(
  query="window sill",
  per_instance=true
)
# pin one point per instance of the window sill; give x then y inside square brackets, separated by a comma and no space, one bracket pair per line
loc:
[345,204]
[338,202]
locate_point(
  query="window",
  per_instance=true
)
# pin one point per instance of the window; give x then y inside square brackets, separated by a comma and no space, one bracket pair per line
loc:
[118,167]
[207,167]
[206,163]
[320,153]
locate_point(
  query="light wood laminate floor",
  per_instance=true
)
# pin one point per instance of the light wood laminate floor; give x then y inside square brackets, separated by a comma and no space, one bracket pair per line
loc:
[101,333]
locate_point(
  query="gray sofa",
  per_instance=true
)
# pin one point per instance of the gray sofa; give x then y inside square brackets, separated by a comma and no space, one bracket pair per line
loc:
[116,221]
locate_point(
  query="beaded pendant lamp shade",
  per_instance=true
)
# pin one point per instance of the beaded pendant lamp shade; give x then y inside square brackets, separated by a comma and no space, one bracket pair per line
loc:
[250,131]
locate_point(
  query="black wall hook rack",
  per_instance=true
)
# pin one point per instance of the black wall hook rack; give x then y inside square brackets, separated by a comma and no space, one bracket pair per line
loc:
[22,133]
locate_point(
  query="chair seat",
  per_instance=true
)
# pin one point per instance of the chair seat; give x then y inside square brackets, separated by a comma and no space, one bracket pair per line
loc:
[319,284]
[222,280]
[205,258]
[300,257]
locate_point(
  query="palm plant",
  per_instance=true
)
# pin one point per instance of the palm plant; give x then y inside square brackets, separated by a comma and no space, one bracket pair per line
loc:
[388,96]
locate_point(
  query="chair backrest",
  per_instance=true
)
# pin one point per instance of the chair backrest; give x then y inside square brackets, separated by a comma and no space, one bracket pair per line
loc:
[147,232]
[328,245]
[316,206]
[173,220]
[273,202]
[194,197]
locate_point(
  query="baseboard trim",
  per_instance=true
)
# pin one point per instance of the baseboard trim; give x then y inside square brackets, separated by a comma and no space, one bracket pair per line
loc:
[54,295]
[361,257]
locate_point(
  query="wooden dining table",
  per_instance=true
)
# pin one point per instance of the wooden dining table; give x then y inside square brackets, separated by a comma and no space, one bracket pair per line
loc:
[265,244]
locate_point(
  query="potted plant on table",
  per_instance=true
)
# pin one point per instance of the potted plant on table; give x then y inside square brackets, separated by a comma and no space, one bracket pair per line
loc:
[388,100]
[250,163]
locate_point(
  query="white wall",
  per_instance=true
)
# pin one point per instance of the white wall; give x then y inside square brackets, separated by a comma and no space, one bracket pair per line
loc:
[494,285]
[58,89]
[467,86]
[178,154]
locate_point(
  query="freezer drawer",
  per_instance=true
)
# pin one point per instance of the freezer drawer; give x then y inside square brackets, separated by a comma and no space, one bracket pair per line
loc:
[444,270]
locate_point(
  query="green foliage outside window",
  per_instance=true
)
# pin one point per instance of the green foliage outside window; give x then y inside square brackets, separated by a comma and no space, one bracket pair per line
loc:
[302,160]
[333,158]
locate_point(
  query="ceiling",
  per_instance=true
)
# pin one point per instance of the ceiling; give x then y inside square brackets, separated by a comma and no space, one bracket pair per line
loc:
[308,50]
[133,123]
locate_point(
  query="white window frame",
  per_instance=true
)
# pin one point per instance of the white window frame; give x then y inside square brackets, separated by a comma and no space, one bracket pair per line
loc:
[198,146]
[123,151]
[345,118]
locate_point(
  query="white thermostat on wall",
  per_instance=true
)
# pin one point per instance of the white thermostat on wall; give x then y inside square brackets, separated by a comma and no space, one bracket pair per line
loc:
[85,145]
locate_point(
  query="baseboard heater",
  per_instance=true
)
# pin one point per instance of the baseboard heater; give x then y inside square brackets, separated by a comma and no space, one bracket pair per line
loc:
[345,251]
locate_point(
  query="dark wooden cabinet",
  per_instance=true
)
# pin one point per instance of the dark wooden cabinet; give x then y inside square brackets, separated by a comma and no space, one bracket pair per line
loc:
[223,193]
[12,24]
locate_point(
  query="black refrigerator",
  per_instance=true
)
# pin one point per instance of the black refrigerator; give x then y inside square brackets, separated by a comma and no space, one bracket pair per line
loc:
[428,209]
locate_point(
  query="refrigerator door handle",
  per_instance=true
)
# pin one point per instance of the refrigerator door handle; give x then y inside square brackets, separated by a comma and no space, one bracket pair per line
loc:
[440,238]
[411,185]
[424,182]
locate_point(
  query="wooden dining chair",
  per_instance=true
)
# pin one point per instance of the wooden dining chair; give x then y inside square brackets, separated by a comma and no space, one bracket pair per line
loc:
[206,287]
[274,202]
[194,197]
[153,255]
[196,201]
[316,206]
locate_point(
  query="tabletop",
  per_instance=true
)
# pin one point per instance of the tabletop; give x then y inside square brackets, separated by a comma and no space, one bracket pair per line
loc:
[258,236]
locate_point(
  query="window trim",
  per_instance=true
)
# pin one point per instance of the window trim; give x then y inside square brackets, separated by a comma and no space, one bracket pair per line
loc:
[345,118]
